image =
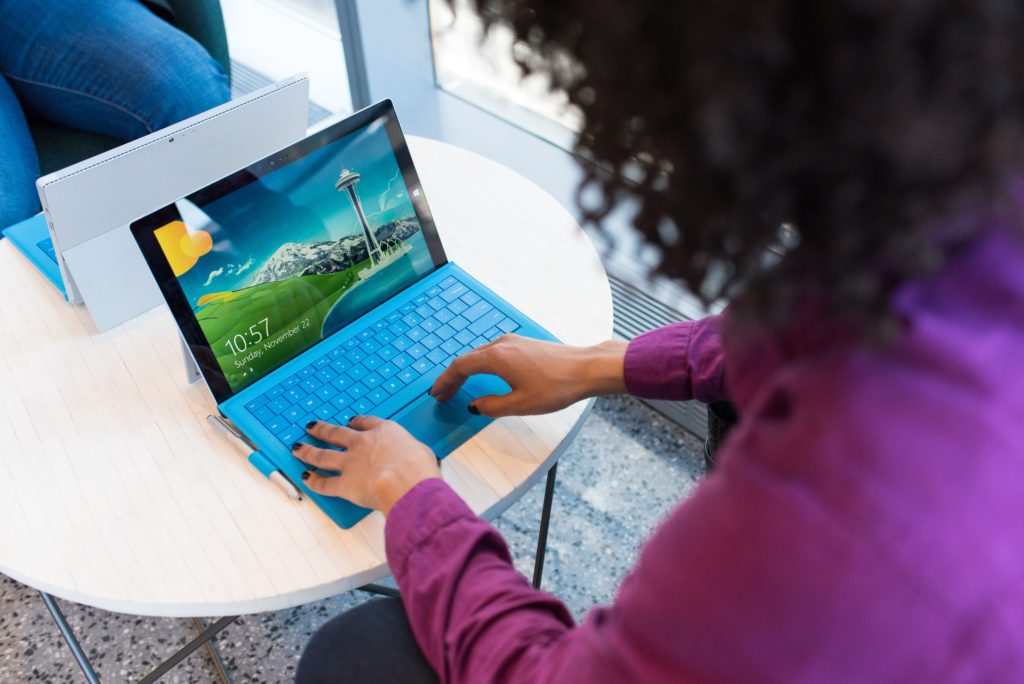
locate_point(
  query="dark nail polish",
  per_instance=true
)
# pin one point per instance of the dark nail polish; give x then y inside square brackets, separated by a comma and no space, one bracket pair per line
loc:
[305,474]
[473,409]
[310,424]
[297,446]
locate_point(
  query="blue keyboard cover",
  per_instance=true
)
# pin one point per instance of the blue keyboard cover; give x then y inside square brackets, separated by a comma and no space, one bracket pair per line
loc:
[378,365]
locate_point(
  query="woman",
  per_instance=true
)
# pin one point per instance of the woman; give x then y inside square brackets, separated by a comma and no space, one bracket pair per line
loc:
[114,67]
[864,521]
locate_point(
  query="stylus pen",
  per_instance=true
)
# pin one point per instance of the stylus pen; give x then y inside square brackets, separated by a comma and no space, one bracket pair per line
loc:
[275,476]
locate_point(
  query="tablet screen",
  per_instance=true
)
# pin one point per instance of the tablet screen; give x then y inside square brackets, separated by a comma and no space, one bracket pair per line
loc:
[283,254]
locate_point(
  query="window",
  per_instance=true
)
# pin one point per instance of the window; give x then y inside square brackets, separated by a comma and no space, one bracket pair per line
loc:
[482,71]
[272,39]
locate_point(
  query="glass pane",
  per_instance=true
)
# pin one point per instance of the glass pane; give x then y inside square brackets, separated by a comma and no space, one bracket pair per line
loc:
[484,73]
[271,39]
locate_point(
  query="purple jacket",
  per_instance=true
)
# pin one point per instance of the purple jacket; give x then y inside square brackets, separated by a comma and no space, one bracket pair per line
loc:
[865,524]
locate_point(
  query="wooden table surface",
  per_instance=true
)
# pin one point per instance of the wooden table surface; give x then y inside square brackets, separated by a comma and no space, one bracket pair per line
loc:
[114,491]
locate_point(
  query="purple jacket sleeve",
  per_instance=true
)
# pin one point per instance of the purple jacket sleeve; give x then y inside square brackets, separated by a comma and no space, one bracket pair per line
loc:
[678,362]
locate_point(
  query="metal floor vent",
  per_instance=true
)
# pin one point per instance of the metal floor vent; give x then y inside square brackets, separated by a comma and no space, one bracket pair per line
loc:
[245,79]
[636,312]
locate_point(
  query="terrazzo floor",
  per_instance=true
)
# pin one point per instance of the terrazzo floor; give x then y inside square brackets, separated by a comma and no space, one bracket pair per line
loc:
[624,472]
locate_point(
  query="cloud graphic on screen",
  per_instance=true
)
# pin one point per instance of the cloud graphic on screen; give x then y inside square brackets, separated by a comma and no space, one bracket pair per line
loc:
[230,269]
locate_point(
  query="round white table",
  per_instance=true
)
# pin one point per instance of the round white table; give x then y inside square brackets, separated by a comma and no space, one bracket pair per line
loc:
[116,493]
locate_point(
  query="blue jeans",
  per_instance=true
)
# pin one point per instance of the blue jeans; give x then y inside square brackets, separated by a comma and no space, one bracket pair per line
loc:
[107,66]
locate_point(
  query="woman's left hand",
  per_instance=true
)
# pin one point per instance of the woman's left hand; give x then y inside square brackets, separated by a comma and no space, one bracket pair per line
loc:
[381,461]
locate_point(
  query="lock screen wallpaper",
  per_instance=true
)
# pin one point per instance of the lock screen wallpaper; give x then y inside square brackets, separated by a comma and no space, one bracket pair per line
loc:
[285,260]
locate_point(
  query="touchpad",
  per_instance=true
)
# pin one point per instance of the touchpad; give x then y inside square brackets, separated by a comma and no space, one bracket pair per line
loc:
[442,427]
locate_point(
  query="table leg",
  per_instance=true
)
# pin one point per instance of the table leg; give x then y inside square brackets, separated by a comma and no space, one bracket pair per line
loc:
[381,590]
[545,518]
[69,637]
[214,652]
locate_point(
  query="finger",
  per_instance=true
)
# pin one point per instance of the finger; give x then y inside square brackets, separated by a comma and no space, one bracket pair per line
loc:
[328,459]
[479,360]
[496,405]
[327,486]
[364,422]
[332,434]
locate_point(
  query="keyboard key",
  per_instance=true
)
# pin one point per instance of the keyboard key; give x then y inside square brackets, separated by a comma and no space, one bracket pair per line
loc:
[385,337]
[436,355]
[420,299]
[508,325]
[295,394]
[386,370]
[324,411]
[421,366]
[256,403]
[401,361]
[451,346]
[447,282]
[492,333]
[341,365]
[351,343]
[370,346]
[416,334]
[399,328]
[488,320]
[279,405]
[416,351]
[444,315]
[274,392]
[263,414]
[362,406]
[376,396]
[343,417]
[470,298]
[476,311]
[458,307]
[407,308]
[406,376]
[480,341]
[371,362]
[357,390]
[342,382]
[401,343]
[448,361]
[325,375]
[291,435]
[464,336]
[309,403]
[365,334]
[293,414]
[431,341]
[321,362]
[445,331]
[372,380]
[290,382]
[434,291]
[392,385]
[277,424]
[424,311]
[430,325]
[412,319]
[387,353]
[437,303]
[326,392]
[380,325]
[341,401]
[454,292]
[336,353]
[394,316]
[310,383]
[357,372]
[306,372]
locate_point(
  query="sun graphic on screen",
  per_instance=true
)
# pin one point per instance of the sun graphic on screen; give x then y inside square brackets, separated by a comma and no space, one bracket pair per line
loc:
[183,247]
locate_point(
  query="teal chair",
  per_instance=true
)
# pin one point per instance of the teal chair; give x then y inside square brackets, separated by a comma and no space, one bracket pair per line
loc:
[60,146]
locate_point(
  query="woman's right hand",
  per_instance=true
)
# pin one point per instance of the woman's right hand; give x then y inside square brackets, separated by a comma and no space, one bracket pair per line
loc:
[544,376]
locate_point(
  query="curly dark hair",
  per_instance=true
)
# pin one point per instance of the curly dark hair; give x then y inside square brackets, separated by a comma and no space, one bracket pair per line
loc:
[856,126]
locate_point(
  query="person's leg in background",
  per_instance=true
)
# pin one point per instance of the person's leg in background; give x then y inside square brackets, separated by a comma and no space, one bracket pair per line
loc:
[108,66]
[19,166]
[370,644]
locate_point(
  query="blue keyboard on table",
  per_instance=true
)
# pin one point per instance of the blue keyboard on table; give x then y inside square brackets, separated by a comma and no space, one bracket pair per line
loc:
[420,338]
